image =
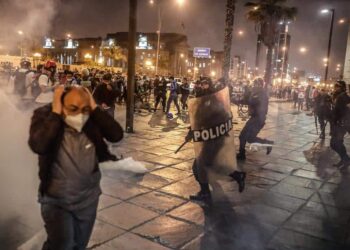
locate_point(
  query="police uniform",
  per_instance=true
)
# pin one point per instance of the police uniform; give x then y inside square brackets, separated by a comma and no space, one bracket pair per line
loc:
[160,93]
[339,124]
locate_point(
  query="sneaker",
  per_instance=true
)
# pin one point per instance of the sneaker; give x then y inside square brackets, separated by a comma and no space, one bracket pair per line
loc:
[240,157]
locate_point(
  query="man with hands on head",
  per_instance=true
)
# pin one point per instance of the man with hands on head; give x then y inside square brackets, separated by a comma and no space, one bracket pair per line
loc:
[69,137]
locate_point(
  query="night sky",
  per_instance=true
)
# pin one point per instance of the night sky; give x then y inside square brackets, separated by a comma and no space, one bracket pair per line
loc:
[204,25]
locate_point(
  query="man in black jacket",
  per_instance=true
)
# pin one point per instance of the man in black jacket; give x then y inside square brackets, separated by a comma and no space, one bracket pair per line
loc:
[106,95]
[339,124]
[258,106]
[69,138]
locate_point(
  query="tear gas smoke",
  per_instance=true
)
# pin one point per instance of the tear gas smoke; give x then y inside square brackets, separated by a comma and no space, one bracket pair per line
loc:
[33,18]
[18,174]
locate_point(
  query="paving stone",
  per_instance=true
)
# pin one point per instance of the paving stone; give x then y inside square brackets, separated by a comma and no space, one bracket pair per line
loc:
[182,188]
[277,200]
[304,223]
[103,232]
[150,181]
[107,201]
[263,213]
[130,241]
[326,213]
[172,173]
[259,182]
[336,200]
[185,166]
[288,240]
[190,212]
[302,182]
[166,161]
[157,151]
[158,202]
[126,215]
[292,190]
[278,168]
[307,174]
[170,232]
[269,175]
[124,190]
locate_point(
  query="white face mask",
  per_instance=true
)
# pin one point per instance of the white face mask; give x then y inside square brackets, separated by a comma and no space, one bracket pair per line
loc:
[76,121]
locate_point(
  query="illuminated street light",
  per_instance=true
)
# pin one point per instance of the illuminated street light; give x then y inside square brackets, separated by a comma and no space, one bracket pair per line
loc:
[284,48]
[92,46]
[302,50]
[20,32]
[213,73]
[325,60]
[182,55]
[181,2]
[341,21]
[37,55]
[151,1]
[88,56]
[241,33]
[256,8]
[69,35]
[325,11]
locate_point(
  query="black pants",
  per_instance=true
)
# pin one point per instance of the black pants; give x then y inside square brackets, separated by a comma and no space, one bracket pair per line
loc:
[68,230]
[337,141]
[249,133]
[200,174]
[184,98]
[322,121]
[160,97]
[173,98]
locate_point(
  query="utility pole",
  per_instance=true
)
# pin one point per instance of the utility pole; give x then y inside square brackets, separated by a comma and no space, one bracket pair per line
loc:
[131,66]
[230,11]
[329,46]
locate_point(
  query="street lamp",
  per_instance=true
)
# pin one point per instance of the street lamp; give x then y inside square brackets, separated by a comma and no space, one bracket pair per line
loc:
[332,11]
[241,33]
[152,2]
[303,50]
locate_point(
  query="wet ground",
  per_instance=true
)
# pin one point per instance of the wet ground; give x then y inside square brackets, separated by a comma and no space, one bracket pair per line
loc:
[294,198]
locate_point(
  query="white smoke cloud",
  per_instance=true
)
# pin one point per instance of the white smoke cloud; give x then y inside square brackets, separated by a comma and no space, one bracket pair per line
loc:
[34,18]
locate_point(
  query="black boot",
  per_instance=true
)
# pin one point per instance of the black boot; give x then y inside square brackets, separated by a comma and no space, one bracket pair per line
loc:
[239,177]
[203,195]
[269,148]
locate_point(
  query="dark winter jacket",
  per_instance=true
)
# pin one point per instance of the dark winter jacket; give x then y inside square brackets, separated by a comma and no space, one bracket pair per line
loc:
[47,130]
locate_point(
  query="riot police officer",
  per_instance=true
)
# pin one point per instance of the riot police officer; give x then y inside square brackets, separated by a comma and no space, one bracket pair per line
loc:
[339,124]
[258,107]
[160,88]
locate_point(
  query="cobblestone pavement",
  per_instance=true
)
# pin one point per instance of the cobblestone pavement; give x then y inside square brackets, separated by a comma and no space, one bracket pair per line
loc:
[294,198]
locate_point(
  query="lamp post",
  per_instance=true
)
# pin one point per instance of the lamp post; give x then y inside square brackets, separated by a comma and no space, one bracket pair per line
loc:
[329,40]
[152,2]
[131,66]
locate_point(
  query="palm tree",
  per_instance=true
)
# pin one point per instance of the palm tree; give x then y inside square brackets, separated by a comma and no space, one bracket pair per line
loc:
[230,11]
[267,16]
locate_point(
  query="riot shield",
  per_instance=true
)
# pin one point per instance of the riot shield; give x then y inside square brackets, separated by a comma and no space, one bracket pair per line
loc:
[212,126]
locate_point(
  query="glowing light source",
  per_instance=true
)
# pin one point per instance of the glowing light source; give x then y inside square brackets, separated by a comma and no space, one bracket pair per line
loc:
[213,73]
[181,2]
[325,60]
[342,21]
[151,1]
[182,55]
[88,56]
[20,32]
[325,11]
[240,32]
[302,50]
[38,55]
[148,63]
